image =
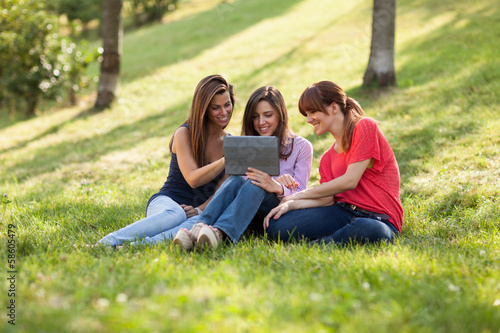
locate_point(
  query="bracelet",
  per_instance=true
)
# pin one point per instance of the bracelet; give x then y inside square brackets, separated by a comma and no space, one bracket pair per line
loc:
[198,210]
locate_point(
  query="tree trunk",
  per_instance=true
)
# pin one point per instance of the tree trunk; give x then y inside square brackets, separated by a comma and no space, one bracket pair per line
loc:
[381,64]
[112,34]
[72,96]
[31,107]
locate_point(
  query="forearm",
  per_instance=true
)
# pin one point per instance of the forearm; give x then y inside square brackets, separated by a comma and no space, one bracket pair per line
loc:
[205,204]
[205,174]
[328,189]
[348,181]
[311,203]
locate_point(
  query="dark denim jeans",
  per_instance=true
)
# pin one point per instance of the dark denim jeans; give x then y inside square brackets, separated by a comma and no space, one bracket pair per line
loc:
[333,223]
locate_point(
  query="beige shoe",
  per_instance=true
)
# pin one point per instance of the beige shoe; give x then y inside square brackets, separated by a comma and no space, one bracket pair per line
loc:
[209,237]
[186,239]
[195,231]
[183,239]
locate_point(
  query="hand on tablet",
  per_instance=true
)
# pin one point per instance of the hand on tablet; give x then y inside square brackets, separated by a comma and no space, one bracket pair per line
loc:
[264,181]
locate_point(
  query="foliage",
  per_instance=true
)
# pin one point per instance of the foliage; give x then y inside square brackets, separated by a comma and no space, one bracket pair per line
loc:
[147,11]
[35,61]
[74,11]
[73,176]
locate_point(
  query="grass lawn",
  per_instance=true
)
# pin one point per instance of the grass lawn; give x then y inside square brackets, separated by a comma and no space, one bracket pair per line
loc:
[72,176]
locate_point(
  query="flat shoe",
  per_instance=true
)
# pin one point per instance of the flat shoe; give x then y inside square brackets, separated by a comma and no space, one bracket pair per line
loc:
[209,237]
[195,231]
[183,239]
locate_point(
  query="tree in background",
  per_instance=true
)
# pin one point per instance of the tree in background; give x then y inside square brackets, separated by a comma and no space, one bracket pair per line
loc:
[112,34]
[381,64]
[35,61]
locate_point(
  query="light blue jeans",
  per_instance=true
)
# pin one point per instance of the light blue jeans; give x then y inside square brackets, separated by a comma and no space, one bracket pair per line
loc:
[235,204]
[163,215]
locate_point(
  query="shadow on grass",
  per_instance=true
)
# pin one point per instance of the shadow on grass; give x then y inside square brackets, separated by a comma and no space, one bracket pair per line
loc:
[184,39]
[48,159]
[6,120]
[166,44]
[52,130]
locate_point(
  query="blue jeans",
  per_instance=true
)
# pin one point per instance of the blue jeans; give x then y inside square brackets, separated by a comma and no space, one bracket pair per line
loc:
[235,204]
[163,214]
[169,233]
[333,223]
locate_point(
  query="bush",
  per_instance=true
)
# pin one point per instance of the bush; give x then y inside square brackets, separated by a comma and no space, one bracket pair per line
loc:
[78,14]
[35,61]
[146,11]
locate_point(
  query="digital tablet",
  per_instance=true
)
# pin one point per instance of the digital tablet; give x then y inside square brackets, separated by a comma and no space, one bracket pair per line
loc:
[259,152]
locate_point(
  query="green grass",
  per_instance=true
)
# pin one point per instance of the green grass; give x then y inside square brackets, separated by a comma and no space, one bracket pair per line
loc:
[74,175]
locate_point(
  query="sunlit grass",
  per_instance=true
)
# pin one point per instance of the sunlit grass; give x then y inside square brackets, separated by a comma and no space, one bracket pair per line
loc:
[74,175]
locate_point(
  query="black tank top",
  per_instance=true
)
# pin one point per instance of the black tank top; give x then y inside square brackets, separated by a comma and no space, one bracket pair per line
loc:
[179,190]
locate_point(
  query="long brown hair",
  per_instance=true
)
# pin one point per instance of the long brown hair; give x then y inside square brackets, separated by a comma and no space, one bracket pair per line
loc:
[197,120]
[320,95]
[271,95]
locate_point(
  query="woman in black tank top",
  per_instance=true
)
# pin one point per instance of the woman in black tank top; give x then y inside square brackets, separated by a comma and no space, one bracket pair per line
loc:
[196,166]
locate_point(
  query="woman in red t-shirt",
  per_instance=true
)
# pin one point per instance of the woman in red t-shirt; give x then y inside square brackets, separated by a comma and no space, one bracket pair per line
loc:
[358,198]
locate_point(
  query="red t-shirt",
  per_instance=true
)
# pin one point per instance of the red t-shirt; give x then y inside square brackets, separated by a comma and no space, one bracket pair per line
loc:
[378,188]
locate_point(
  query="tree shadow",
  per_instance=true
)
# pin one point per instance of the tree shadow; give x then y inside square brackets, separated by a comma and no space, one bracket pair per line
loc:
[48,159]
[184,39]
[6,120]
[51,130]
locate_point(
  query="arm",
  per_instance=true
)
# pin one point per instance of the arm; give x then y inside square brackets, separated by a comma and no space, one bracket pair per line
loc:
[301,168]
[321,195]
[289,205]
[286,184]
[194,175]
[346,182]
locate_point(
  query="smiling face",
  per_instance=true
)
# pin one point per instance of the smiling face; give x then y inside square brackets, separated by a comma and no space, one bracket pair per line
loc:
[325,121]
[265,119]
[220,109]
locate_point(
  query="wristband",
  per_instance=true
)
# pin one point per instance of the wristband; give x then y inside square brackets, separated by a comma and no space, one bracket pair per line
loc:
[198,210]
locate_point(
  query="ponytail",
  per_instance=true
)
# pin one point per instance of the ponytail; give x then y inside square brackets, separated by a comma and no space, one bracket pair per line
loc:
[352,114]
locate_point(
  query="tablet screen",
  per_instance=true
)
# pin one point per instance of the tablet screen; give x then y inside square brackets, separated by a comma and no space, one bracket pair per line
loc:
[259,152]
